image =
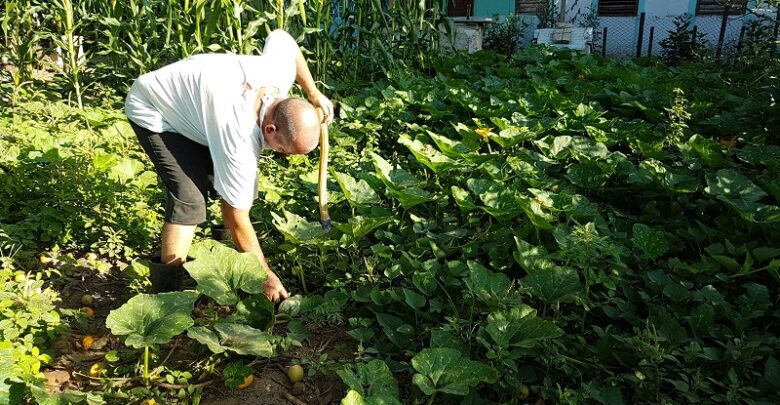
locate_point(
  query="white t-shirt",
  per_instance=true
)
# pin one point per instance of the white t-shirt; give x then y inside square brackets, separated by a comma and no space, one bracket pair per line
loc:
[205,98]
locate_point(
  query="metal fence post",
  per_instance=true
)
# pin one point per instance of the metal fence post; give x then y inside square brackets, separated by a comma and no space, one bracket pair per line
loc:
[693,37]
[723,24]
[739,43]
[650,42]
[641,34]
[604,43]
[777,23]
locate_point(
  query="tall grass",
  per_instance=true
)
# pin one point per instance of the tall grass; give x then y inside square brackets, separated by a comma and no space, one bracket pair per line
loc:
[342,39]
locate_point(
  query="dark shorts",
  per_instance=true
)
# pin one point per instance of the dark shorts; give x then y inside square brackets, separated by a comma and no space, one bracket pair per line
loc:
[185,167]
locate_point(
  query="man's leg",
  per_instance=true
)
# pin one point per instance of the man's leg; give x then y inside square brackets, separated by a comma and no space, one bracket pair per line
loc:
[176,241]
[184,167]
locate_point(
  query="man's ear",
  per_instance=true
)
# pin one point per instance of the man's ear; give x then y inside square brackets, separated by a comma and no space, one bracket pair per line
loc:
[269,129]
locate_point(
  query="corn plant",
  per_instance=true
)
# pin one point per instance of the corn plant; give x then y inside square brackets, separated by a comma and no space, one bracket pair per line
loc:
[69,43]
[19,41]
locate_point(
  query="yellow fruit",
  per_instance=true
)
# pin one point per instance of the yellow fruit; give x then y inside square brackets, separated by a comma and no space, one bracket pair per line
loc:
[88,312]
[86,300]
[45,259]
[96,369]
[20,277]
[86,342]
[295,373]
[248,380]
[523,392]
[148,402]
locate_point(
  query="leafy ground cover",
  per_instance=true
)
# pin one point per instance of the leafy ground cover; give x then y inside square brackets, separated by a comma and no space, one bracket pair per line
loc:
[549,228]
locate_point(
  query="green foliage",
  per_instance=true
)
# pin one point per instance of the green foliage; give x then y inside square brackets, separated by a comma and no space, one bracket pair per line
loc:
[369,383]
[504,36]
[222,272]
[103,197]
[447,371]
[234,374]
[680,43]
[150,320]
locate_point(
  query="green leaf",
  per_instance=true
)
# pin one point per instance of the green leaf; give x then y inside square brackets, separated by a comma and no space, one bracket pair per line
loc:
[148,320]
[410,196]
[221,272]
[428,155]
[394,177]
[738,192]
[772,372]
[353,398]
[519,327]
[125,169]
[256,311]
[489,287]
[357,192]
[451,147]
[499,201]
[552,284]
[297,230]
[372,381]
[446,370]
[653,242]
[242,339]
[530,257]
[463,199]
[207,337]
[6,372]
[359,226]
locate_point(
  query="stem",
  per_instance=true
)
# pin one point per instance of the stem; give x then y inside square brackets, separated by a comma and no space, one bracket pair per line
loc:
[146,365]
[430,401]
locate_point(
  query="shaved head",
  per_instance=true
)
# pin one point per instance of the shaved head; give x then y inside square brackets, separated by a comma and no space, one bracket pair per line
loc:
[298,124]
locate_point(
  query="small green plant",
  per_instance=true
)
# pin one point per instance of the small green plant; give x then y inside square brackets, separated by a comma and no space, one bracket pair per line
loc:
[680,44]
[235,374]
[678,118]
[504,36]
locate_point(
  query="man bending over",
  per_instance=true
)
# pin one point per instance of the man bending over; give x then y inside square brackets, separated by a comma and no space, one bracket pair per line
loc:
[203,121]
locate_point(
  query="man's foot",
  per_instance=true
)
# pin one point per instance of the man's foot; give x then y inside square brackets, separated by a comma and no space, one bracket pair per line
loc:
[274,289]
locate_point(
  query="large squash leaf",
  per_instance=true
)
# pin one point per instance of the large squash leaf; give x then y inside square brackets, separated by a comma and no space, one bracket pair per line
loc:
[239,338]
[152,319]
[221,272]
[372,382]
[489,287]
[360,226]
[357,192]
[517,328]
[738,192]
[552,284]
[446,370]
[297,230]
[427,155]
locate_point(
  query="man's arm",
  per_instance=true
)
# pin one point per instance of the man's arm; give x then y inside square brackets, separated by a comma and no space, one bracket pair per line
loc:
[304,78]
[237,221]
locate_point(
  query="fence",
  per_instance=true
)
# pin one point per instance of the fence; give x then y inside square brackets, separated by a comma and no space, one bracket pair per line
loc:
[723,37]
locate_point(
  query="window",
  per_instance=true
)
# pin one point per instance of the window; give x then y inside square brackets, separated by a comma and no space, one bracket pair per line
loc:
[715,7]
[617,8]
[460,8]
[530,6]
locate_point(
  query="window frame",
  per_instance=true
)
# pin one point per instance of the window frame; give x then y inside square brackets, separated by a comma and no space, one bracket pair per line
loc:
[741,9]
[632,13]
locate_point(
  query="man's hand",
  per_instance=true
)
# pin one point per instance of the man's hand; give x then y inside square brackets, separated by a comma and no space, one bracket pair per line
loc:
[245,239]
[274,289]
[319,100]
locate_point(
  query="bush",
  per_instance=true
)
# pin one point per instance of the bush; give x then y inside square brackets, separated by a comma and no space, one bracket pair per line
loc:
[680,44]
[505,36]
